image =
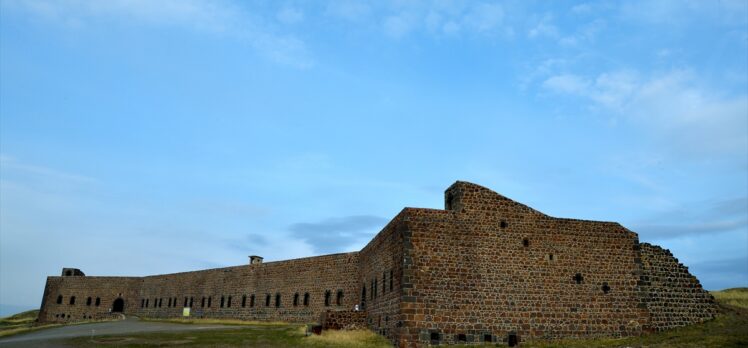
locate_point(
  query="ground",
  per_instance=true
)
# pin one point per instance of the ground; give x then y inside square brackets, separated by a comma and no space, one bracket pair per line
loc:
[729,329]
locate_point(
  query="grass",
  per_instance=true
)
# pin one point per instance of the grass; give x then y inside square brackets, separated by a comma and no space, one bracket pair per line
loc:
[728,329]
[216,321]
[737,297]
[21,322]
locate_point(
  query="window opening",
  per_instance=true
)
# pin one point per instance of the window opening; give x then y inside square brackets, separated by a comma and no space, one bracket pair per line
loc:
[72,300]
[244,301]
[296,299]
[277,300]
[525,242]
[578,278]
[503,224]
[59,299]
[512,340]
[306,299]
[327,298]
[606,288]
[89,300]
[339,298]
[461,338]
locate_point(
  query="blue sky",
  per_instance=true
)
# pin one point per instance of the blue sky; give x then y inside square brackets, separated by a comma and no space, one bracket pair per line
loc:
[143,137]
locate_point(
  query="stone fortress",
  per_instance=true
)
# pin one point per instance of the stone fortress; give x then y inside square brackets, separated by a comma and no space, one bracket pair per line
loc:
[484,269]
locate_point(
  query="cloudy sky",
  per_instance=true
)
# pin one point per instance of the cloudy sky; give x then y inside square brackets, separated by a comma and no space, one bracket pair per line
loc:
[142,137]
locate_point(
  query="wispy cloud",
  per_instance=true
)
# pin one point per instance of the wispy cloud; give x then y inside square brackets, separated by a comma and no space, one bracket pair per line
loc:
[8,163]
[693,119]
[336,234]
[221,18]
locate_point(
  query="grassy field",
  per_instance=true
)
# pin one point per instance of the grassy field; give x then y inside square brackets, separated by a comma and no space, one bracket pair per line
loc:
[21,322]
[729,329]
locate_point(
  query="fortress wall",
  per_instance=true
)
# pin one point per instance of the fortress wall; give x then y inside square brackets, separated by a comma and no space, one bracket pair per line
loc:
[105,289]
[473,279]
[205,289]
[379,278]
[674,297]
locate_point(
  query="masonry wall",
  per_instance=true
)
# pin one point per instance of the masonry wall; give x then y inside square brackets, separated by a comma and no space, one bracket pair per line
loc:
[94,297]
[379,279]
[164,296]
[472,279]
[674,297]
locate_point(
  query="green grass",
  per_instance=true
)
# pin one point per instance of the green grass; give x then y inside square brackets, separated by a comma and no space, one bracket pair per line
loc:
[737,297]
[21,322]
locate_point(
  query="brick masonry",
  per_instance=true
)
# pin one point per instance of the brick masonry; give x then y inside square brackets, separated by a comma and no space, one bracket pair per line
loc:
[484,269]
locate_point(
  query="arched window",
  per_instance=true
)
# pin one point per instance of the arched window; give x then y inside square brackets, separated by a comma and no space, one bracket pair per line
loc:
[222,299]
[267,300]
[210,300]
[88,301]
[327,298]
[98,302]
[296,299]
[228,302]
[306,299]
[185,301]
[244,301]
[252,300]
[191,298]
[59,299]
[339,298]
[202,303]
[72,300]
[277,300]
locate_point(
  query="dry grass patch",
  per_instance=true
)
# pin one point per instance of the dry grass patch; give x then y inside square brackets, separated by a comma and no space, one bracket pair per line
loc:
[737,297]
[217,321]
[349,338]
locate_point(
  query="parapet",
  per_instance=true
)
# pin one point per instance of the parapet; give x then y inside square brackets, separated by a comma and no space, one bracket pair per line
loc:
[72,272]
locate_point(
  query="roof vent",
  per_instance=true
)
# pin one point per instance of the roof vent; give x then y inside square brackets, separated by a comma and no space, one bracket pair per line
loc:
[255,260]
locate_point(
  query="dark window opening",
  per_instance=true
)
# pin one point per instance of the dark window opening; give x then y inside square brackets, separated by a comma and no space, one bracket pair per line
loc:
[296,299]
[174,301]
[384,283]
[202,304]
[339,298]
[267,300]
[371,286]
[306,299]
[160,302]
[191,298]
[434,338]
[277,300]
[169,304]
[221,301]
[252,301]
[525,242]
[185,302]
[503,224]
[210,300]
[118,306]
[363,297]
[461,338]
[98,302]
[512,340]
[606,288]
[147,302]
[550,257]
[59,299]
[244,301]
[327,298]
[391,281]
[142,303]
[68,273]
[449,202]
[228,302]
[578,278]
[89,300]
[487,338]
[72,300]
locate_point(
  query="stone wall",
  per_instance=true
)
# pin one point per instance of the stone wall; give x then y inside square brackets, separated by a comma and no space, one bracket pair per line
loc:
[674,297]
[77,298]
[485,269]
[343,320]
[490,268]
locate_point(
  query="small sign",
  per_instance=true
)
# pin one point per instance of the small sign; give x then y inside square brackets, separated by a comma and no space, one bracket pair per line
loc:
[186,312]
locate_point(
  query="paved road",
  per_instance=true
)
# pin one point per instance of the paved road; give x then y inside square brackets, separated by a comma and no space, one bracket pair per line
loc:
[129,325]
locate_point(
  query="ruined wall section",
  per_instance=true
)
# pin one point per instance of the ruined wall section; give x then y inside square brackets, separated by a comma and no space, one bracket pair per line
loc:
[94,297]
[329,282]
[379,278]
[491,268]
[674,297]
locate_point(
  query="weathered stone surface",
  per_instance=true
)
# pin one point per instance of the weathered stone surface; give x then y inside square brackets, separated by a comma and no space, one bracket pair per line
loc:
[486,269]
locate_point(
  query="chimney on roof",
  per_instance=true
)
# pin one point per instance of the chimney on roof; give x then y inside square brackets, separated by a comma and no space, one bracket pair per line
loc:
[255,260]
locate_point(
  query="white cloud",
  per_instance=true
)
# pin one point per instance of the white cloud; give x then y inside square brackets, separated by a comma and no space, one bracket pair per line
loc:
[484,17]
[544,27]
[215,17]
[398,26]
[691,119]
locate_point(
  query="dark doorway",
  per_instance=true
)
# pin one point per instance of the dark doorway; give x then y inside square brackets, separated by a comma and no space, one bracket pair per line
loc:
[118,306]
[512,340]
